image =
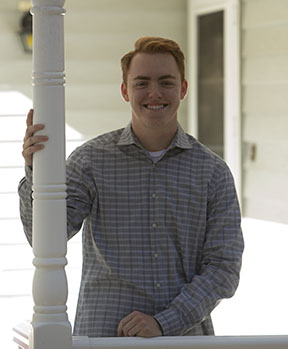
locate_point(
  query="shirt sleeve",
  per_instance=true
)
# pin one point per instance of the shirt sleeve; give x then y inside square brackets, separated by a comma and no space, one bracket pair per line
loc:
[218,275]
[80,194]
[25,195]
[81,189]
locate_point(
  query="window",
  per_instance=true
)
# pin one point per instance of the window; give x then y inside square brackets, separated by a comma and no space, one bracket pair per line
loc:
[211,81]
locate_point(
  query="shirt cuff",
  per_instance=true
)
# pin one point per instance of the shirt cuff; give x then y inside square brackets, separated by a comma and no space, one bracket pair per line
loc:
[28,174]
[170,322]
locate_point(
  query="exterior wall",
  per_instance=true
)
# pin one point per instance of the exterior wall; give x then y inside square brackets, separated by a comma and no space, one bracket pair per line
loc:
[265,108]
[15,65]
[106,31]
[97,34]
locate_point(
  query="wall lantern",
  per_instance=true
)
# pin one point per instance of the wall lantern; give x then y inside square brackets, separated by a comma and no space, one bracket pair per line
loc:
[26,31]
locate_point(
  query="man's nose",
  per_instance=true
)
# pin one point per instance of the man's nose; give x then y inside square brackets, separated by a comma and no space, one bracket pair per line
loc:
[155,90]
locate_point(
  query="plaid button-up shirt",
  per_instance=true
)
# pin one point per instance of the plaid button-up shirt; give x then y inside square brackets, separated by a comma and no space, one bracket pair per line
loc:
[162,238]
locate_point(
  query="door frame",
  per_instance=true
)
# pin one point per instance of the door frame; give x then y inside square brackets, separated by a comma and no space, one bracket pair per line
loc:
[232,82]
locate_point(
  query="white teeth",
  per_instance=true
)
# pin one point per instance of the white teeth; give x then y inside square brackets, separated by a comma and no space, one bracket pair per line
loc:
[155,107]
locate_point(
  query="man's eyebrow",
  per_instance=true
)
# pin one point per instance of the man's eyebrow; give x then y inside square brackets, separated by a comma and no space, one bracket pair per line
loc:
[139,77]
[163,77]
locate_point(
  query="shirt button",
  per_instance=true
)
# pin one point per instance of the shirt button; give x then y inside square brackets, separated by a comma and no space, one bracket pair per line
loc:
[154,195]
[158,285]
[154,225]
[156,255]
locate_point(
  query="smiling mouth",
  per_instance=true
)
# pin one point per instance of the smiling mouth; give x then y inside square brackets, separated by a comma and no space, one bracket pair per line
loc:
[155,106]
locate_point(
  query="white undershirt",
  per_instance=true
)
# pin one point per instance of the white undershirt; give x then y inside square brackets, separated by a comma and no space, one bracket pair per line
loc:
[156,155]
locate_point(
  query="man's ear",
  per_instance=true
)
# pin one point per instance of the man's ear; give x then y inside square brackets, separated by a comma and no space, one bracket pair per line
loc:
[184,89]
[124,92]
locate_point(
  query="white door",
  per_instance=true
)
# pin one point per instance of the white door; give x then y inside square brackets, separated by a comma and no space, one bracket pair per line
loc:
[214,76]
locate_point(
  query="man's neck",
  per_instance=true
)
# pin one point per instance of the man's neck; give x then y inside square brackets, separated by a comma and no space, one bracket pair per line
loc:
[154,138]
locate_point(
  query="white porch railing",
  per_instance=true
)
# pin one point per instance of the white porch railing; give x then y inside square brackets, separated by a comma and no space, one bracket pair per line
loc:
[50,327]
[204,342]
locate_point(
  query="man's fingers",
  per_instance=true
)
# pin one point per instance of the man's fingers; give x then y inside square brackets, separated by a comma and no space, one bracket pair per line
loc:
[120,327]
[134,329]
[139,324]
[119,330]
[130,327]
[29,119]
[31,146]
[30,141]
[31,150]
[123,323]
[31,130]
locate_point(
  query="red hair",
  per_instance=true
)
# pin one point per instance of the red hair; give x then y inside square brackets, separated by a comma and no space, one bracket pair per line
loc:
[152,45]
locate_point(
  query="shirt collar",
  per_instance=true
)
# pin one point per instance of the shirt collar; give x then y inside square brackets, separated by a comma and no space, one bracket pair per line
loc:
[181,139]
[127,136]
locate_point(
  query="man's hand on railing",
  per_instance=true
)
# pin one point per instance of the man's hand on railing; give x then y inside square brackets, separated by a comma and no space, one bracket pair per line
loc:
[140,325]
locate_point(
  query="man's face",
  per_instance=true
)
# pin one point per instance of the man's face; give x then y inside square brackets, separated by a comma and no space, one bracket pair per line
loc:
[154,90]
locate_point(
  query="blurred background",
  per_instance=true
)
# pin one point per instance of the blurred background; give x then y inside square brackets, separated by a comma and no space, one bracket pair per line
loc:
[236,59]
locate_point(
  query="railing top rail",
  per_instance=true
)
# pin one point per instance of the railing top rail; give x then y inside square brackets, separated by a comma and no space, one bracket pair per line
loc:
[185,342]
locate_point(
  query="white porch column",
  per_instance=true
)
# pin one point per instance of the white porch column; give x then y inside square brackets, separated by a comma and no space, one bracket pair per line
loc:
[50,325]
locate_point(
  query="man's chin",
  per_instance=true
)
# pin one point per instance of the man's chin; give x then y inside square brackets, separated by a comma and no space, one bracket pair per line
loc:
[156,121]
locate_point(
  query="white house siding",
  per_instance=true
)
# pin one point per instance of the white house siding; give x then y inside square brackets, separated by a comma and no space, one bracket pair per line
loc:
[265,109]
[97,34]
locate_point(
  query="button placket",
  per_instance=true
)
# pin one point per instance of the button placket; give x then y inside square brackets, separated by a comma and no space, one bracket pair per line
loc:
[154,226]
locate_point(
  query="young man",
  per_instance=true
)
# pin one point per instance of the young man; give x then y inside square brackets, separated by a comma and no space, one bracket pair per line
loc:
[162,242]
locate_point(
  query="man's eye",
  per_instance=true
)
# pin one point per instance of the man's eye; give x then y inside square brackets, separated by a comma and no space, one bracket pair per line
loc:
[167,83]
[141,84]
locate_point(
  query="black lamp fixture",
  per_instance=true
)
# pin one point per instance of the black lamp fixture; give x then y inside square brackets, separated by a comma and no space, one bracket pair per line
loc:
[26,31]
[25,24]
